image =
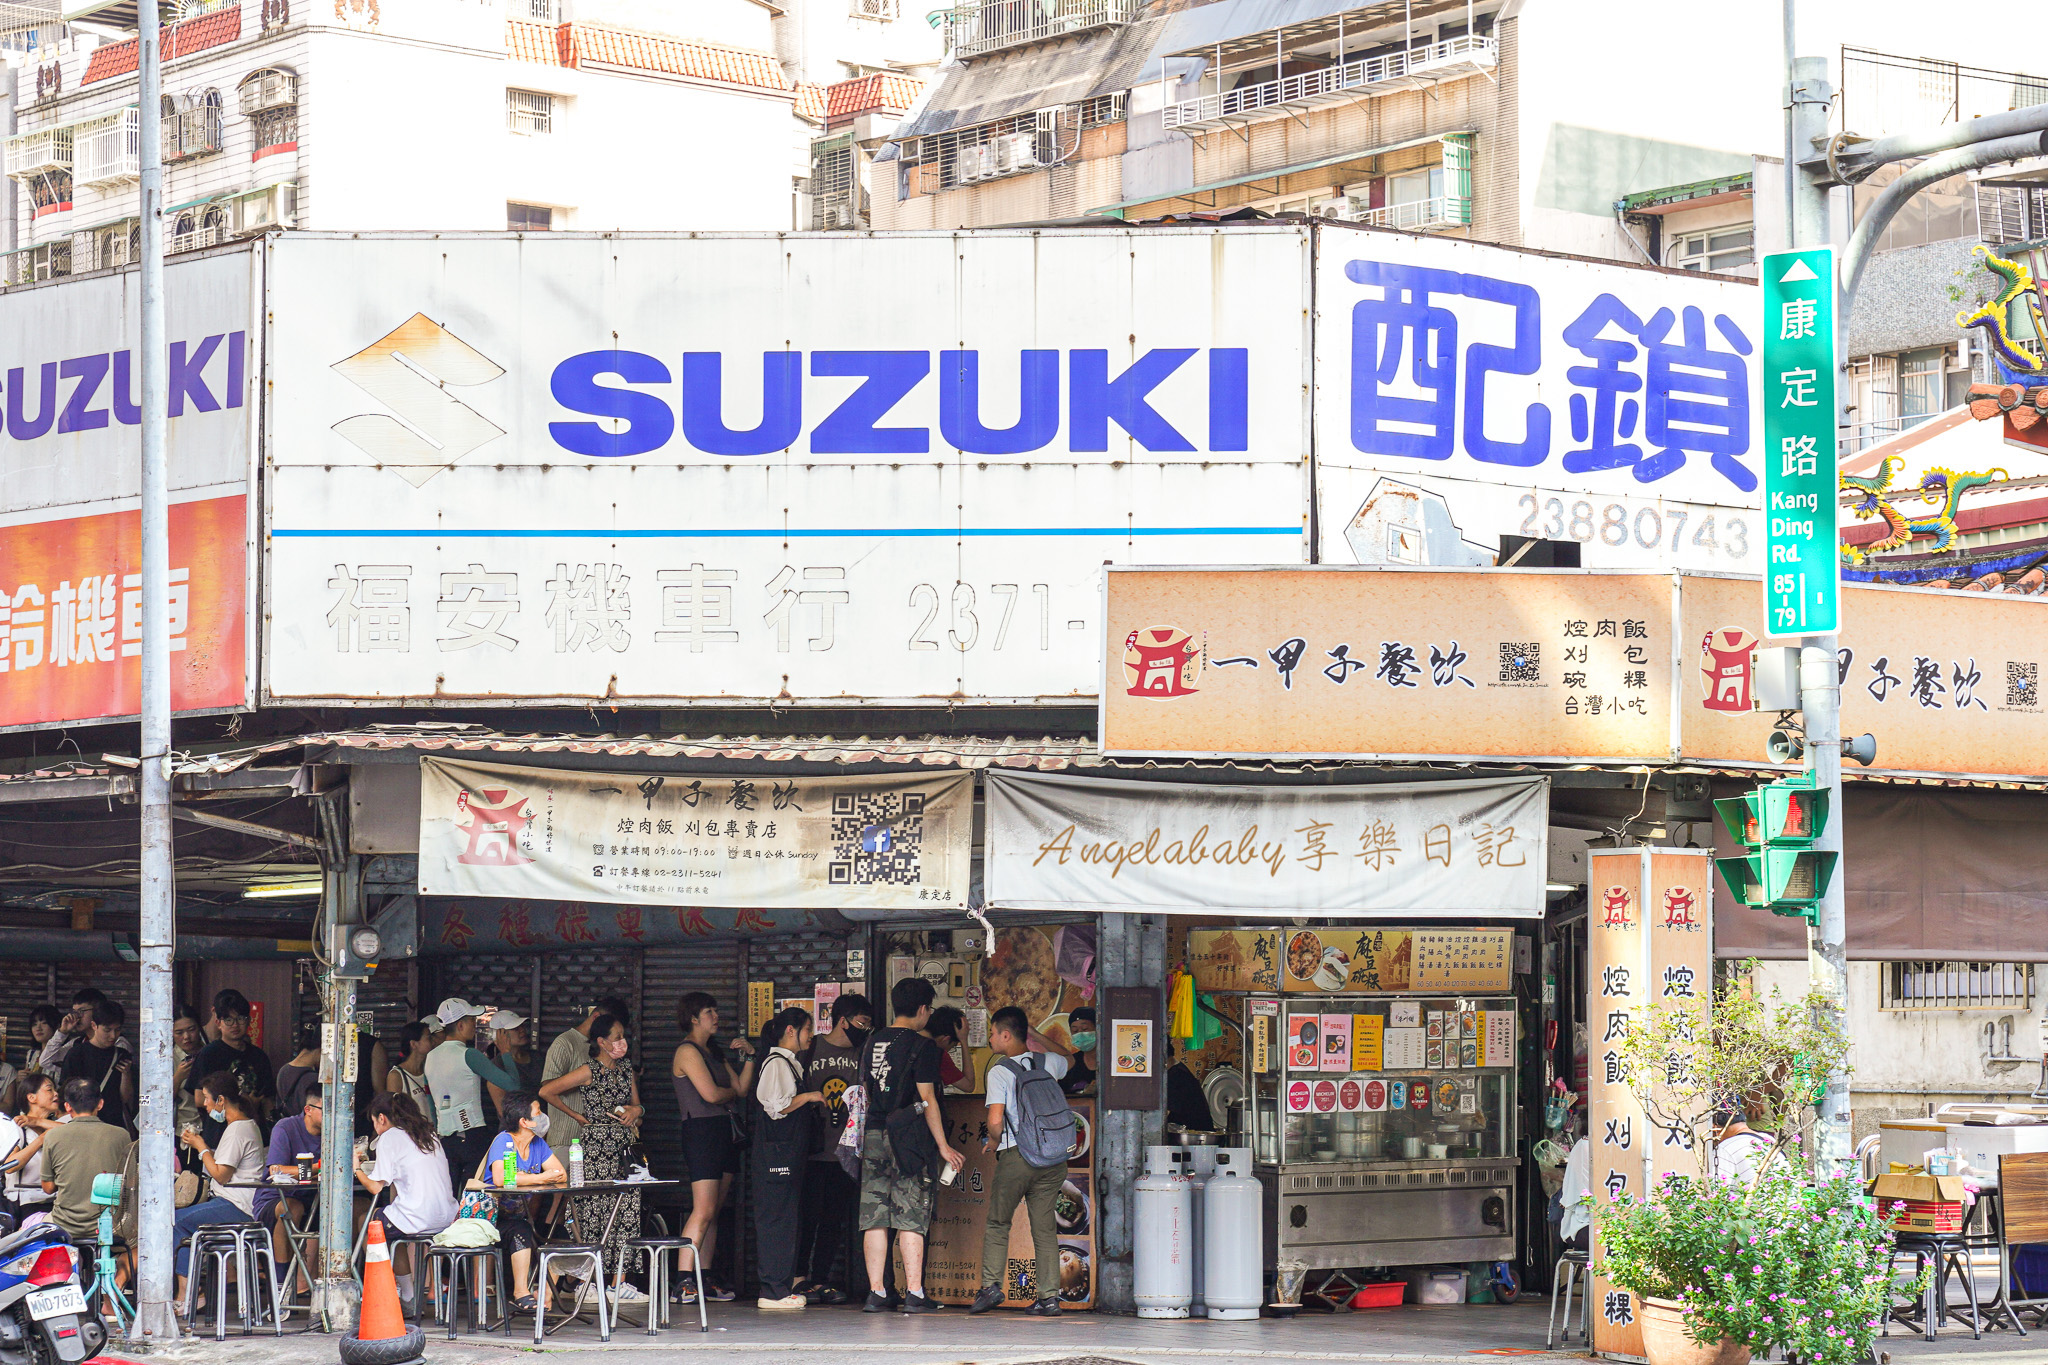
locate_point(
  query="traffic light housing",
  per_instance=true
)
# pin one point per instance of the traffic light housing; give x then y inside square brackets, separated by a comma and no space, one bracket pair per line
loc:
[1777,825]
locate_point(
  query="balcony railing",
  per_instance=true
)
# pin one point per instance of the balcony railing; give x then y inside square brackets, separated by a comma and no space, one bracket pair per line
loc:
[1457,57]
[1421,215]
[110,150]
[981,26]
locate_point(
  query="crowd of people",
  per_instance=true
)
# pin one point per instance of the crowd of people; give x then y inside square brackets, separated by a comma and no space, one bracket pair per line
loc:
[463,1104]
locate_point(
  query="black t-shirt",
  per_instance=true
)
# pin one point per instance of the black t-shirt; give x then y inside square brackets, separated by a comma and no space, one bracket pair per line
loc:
[1079,1075]
[85,1062]
[829,1070]
[250,1066]
[894,1062]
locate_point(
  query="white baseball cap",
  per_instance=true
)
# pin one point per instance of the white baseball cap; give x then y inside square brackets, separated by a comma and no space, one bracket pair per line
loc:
[455,1009]
[508,1019]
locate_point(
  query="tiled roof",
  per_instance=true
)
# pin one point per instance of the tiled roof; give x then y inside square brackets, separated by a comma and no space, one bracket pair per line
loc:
[529,42]
[810,101]
[884,90]
[179,40]
[596,43]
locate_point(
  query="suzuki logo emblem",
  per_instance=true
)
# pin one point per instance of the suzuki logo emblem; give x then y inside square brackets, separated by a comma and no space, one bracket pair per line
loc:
[410,372]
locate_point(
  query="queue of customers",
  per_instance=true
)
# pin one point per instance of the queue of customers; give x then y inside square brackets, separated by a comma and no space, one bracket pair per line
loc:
[464,1089]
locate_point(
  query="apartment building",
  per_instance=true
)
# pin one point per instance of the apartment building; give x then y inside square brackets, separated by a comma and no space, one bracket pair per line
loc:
[520,115]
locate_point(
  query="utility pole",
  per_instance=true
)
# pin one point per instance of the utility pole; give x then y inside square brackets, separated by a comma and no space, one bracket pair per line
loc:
[157,1160]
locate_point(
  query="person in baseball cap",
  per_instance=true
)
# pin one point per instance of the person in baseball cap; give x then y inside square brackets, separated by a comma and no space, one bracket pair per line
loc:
[457,1071]
[512,1045]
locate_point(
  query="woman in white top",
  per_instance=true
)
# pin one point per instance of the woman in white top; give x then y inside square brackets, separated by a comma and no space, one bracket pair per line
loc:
[782,1149]
[32,1106]
[236,1160]
[409,1163]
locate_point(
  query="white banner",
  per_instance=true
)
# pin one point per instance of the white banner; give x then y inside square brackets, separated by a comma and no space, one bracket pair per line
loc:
[1546,374]
[885,842]
[1424,849]
[756,466]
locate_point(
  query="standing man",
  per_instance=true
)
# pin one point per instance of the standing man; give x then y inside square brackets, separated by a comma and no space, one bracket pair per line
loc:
[235,1054]
[570,1050]
[900,1068]
[75,1025]
[103,1057]
[456,1072]
[1017,1179]
[831,1196]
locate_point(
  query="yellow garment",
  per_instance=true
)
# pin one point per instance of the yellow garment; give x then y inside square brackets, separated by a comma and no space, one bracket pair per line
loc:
[1180,1006]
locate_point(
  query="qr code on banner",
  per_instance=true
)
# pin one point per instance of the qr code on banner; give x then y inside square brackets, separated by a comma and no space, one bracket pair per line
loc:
[2022,684]
[1520,662]
[876,839]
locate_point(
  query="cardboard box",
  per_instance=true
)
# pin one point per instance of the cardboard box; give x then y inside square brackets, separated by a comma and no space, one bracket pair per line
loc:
[1933,1203]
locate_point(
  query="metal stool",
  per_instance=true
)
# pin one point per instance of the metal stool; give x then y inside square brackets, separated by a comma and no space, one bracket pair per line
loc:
[414,1262]
[573,1252]
[1947,1254]
[655,1249]
[245,1247]
[455,1260]
[1572,1266]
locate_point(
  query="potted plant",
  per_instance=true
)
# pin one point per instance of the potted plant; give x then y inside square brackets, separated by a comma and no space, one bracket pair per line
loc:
[1726,1267]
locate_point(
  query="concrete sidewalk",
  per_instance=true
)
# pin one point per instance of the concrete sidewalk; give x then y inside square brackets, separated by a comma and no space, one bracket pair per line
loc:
[1475,1335]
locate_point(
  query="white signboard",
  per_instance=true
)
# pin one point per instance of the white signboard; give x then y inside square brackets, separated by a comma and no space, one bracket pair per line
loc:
[1466,392]
[1421,850]
[887,842]
[803,469]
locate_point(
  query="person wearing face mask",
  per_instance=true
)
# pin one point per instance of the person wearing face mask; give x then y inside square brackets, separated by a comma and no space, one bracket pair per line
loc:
[235,1159]
[524,1138]
[409,1162]
[1080,1077]
[608,1106]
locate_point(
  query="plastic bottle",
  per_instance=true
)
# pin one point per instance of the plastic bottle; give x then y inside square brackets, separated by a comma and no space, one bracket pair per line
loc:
[509,1174]
[576,1162]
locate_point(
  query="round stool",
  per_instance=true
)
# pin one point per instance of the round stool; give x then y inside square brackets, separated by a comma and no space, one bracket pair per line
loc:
[570,1253]
[656,1250]
[455,1261]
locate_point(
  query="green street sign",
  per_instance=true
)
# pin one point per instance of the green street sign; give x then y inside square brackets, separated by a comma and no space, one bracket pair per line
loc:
[1802,576]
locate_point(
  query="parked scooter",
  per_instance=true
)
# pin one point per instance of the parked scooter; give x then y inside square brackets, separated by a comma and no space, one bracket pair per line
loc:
[44,1319]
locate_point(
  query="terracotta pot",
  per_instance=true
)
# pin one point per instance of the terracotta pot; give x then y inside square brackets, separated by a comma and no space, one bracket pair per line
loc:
[1665,1341]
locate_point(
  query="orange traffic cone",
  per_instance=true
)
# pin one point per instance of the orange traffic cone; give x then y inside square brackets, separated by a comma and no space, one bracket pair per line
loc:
[381,1338]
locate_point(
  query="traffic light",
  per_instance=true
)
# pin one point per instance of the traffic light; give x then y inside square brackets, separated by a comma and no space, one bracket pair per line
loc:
[1778,823]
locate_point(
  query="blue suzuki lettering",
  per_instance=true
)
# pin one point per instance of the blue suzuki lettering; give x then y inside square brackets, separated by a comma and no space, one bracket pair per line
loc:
[188,377]
[650,422]
[850,429]
[782,404]
[24,427]
[1095,400]
[79,415]
[1038,404]
[1230,399]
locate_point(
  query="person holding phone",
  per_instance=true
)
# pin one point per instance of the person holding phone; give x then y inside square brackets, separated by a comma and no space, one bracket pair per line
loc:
[102,1056]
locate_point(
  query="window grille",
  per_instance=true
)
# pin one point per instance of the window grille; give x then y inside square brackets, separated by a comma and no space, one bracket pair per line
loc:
[1958,986]
[835,186]
[529,111]
[528,217]
[276,127]
[49,261]
[877,9]
[1009,146]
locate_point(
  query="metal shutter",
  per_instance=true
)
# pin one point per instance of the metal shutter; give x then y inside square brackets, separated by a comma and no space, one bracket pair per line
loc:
[503,979]
[119,981]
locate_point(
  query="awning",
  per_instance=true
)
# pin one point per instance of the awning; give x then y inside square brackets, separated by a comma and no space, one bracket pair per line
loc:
[1282,172]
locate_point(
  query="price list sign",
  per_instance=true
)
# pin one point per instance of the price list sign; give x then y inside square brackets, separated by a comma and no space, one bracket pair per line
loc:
[1802,581]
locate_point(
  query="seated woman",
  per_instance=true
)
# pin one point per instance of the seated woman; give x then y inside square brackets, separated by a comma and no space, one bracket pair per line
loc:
[408,1162]
[525,1128]
[237,1159]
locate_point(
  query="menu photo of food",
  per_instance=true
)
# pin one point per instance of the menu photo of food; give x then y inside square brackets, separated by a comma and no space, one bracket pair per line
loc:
[1304,1042]
[1436,1055]
[1468,1053]
[1436,1025]
[1304,956]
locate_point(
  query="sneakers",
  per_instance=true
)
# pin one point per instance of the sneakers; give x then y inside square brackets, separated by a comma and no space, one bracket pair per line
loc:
[876,1303]
[630,1293]
[991,1296]
[786,1304]
[918,1303]
[1047,1307]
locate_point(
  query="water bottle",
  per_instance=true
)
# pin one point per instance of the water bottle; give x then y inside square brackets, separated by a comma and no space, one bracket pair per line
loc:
[576,1162]
[510,1173]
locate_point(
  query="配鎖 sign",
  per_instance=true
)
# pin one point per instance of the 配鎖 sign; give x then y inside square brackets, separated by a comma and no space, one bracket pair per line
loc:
[887,842]
[1464,847]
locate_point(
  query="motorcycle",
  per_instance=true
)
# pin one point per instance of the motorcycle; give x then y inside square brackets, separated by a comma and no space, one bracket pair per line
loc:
[44,1317]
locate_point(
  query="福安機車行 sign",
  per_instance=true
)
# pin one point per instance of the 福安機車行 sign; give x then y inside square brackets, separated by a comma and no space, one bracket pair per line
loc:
[1802,575]
[648,468]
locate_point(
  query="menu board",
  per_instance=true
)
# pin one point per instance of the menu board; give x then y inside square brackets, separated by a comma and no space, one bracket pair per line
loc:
[1367,1032]
[952,1268]
[1462,961]
[1497,1031]
[1337,1042]
[1405,1049]
[1304,1042]
[1234,959]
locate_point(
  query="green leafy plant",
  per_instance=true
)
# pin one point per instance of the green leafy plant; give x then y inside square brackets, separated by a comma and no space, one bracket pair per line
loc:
[1804,1268]
[1760,1055]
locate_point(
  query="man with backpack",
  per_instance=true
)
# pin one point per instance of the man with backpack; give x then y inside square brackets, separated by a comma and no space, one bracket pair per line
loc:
[904,1144]
[1033,1131]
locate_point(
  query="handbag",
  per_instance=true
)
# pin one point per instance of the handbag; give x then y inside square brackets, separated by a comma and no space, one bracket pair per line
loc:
[477,1203]
[185,1190]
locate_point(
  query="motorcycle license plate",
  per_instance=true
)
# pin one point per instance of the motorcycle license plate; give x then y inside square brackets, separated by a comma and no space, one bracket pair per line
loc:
[50,1303]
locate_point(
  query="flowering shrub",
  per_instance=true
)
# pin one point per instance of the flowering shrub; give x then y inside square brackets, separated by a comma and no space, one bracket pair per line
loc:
[1802,1267]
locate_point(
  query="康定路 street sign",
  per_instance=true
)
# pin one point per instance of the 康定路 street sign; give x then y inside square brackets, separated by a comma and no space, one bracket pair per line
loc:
[1802,578]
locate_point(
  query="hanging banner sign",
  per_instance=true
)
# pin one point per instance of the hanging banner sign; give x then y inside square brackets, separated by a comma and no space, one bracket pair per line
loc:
[1418,849]
[885,842]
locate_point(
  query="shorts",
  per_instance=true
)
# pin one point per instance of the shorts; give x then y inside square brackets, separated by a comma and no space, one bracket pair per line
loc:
[888,1199]
[708,1148]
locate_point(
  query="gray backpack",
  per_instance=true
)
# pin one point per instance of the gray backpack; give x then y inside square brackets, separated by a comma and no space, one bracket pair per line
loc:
[1038,1114]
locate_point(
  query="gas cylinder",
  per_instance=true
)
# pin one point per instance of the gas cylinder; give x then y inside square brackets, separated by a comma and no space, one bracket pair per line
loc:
[1163,1260]
[1201,1164]
[1233,1259]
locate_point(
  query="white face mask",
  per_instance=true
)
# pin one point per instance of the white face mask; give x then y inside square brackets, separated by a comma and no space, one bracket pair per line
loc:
[539,1126]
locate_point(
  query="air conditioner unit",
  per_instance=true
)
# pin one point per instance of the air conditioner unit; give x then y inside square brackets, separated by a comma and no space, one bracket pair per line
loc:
[972,163]
[269,90]
[1018,151]
[275,206]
